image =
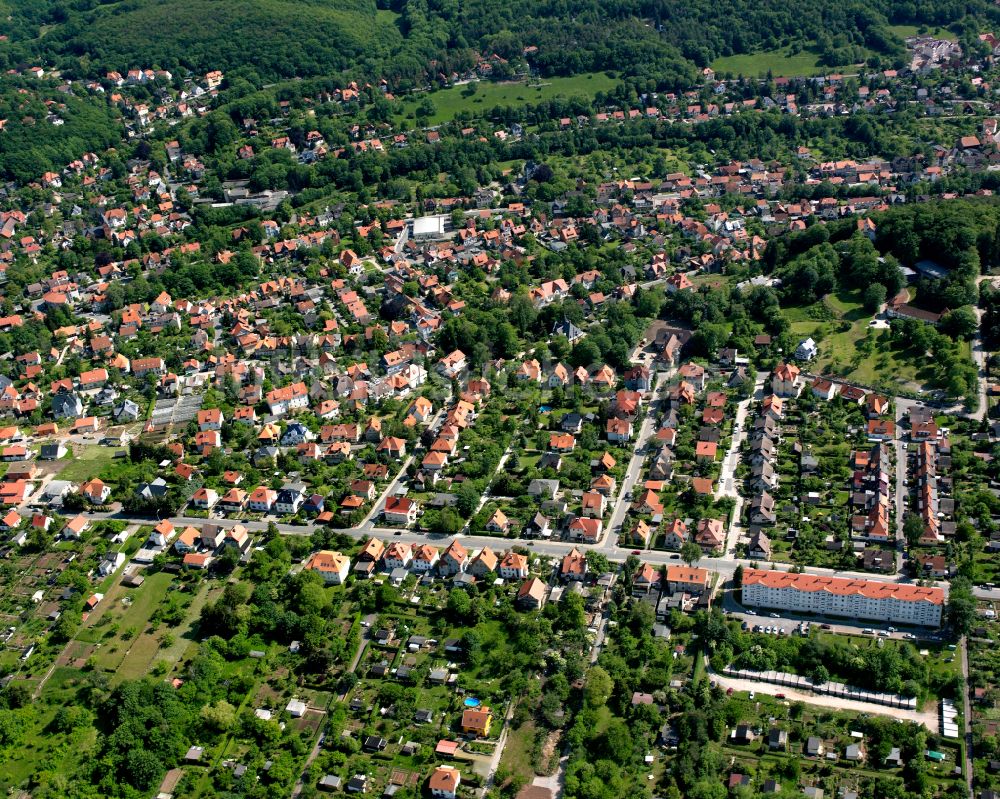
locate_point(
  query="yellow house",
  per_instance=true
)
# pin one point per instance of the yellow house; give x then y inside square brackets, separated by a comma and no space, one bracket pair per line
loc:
[477,720]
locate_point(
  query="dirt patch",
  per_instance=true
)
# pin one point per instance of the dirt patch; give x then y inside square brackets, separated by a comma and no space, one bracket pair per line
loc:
[402,777]
[266,696]
[547,762]
[171,779]
[310,722]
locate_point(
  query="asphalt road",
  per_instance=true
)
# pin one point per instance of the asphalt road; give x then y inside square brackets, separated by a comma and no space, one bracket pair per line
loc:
[634,471]
[902,496]
[727,477]
[723,566]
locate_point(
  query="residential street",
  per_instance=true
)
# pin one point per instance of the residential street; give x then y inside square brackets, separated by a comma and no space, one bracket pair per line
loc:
[634,471]
[979,355]
[723,566]
[902,496]
[485,496]
[379,505]
[727,477]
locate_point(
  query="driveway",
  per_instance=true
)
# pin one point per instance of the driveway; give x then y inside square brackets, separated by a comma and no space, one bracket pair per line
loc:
[555,782]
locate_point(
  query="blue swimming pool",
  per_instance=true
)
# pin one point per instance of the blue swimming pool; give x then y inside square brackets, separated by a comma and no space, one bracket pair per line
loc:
[544,408]
[472,702]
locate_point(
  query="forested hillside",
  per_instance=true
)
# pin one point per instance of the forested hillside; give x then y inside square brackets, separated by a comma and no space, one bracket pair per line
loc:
[413,39]
[274,38]
[45,129]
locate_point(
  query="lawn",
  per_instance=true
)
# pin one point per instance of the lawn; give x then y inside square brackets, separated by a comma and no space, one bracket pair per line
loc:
[987,568]
[902,31]
[448,103]
[87,462]
[519,752]
[184,632]
[138,650]
[781,64]
[139,658]
[144,600]
[839,324]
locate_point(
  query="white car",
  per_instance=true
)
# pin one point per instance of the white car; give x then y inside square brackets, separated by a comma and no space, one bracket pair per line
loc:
[774,615]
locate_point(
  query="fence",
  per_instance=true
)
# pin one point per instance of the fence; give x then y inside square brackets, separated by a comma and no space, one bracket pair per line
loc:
[838,689]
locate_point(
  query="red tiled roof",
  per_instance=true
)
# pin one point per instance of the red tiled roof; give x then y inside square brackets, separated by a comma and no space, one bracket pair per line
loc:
[872,589]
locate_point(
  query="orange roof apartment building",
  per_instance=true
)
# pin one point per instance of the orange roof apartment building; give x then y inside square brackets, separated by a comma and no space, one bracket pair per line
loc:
[839,596]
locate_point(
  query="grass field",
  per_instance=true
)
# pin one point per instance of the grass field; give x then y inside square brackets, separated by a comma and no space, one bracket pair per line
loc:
[902,31]
[450,102]
[518,753]
[87,462]
[987,568]
[781,63]
[840,325]
[184,632]
[129,656]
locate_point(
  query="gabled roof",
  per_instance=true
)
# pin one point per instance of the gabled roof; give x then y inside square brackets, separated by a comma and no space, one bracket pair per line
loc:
[871,589]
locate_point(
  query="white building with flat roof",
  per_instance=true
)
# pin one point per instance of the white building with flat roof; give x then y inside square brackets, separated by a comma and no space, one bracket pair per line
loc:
[428,227]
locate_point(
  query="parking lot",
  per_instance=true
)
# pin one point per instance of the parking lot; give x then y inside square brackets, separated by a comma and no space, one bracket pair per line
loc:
[790,623]
[773,624]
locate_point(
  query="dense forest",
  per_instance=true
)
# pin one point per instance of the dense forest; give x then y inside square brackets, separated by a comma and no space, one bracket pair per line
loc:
[46,129]
[961,236]
[410,40]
